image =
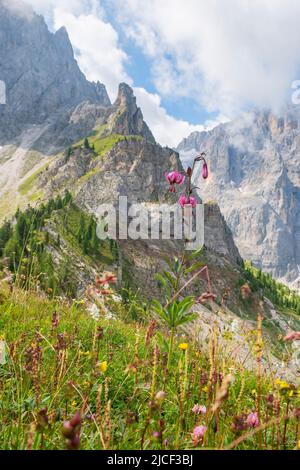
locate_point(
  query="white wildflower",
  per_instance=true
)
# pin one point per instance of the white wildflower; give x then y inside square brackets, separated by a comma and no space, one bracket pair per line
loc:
[235,326]
[110,316]
[94,312]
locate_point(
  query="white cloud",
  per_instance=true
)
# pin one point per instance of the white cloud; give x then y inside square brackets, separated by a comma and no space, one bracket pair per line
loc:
[100,57]
[166,129]
[96,48]
[76,7]
[18,8]
[95,42]
[224,54]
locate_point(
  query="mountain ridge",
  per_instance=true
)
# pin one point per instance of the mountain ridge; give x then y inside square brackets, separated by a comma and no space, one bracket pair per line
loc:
[41,74]
[100,151]
[255,178]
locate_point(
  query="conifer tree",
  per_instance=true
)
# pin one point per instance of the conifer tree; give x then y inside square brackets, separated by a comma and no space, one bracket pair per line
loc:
[86,144]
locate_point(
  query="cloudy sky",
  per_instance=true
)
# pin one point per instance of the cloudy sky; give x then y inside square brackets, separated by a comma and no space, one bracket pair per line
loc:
[192,63]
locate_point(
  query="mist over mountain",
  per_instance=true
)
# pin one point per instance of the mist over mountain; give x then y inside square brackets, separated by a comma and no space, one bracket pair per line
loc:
[51,105]
[118,328]
[255,177]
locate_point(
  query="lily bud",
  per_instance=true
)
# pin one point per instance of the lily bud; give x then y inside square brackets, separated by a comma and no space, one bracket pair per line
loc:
[74,443]
[67,430]
[76,420]
[204,171]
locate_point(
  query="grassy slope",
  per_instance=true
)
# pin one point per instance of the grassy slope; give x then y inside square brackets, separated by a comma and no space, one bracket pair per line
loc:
[64,224]
[66,380]
[131,379]
[102,143]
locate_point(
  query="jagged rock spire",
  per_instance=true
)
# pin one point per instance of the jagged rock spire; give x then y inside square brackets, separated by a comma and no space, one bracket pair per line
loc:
[128,117]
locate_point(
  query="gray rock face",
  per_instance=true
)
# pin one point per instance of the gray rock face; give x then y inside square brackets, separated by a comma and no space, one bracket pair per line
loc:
[136,169]
[41,75]
[45,86]
[46,91]
[255,177]
[127,117]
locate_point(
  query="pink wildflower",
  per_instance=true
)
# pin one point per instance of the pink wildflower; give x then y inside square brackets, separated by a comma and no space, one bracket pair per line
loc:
[71,431]
[198,434]
[294,335]
[199,409]
[252,420]
[183,200]
[174,177]
[160,396]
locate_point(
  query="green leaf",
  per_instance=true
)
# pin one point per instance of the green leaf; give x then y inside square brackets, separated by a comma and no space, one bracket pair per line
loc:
[168,261]
[195,254]
[161,279]
[169,277]
[194,266]
[187,318]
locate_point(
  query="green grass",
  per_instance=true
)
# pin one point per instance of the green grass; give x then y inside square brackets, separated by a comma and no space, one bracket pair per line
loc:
[103,143]
[30,182]
[33,158]
[34,197]
[67,222]
[277,292]
[118,406]
[57,367]
[83,179]
[7,205]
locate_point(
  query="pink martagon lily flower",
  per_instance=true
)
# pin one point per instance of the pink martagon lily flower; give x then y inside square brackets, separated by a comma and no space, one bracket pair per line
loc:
[183,201]
[174,177]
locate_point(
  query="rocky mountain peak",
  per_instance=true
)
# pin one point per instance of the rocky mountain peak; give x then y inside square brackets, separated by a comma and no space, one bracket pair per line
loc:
[127,117]
[255,177]
[62,41]
[103,95]
[125,96]
[41,74]
[52,106]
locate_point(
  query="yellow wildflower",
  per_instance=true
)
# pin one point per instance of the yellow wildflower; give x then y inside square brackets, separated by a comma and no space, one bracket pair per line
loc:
[183,346]
[84,353]
[254,392]
[205,388]
[291,393]
[284,385]
[103,366]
